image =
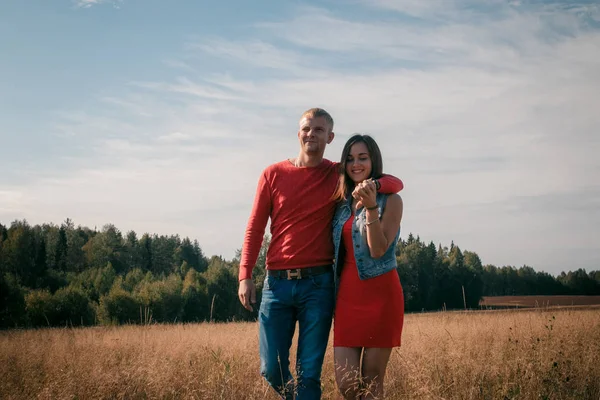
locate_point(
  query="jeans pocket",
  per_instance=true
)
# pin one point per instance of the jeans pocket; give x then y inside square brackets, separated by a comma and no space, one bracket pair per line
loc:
[269,283]
[323,281]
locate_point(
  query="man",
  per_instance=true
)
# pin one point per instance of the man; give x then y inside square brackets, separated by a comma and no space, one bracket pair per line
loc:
[299,287]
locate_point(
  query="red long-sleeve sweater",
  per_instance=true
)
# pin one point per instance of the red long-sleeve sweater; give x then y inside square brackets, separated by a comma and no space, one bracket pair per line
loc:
[298,201]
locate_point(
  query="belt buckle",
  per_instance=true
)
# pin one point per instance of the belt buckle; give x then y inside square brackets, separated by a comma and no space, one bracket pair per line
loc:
[294,274]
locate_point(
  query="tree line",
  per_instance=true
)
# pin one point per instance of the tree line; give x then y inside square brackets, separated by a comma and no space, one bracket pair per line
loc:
[65,275]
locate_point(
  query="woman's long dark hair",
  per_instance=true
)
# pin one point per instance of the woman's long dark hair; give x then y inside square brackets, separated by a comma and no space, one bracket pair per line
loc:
[345,185]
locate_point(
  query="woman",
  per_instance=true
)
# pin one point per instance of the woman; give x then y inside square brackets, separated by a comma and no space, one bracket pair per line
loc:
[369,311]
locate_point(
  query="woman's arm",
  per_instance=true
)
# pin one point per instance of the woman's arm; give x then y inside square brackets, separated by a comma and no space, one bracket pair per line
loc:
[380,233]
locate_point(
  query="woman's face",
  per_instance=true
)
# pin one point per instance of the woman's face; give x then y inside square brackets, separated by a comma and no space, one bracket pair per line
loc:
[358,163]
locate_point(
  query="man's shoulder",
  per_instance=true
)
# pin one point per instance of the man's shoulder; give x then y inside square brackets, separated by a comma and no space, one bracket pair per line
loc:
[286,166]
[330,163]
[277,167]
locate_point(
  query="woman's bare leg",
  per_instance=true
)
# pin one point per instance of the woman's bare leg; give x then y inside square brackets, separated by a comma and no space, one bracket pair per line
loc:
[347,371]
[374,364]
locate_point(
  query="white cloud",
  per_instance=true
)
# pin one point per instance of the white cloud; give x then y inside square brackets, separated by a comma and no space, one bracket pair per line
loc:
[12,201]
[174,137]
[255,53]
[90,3]
[179,64]
[485,120]
[186,86]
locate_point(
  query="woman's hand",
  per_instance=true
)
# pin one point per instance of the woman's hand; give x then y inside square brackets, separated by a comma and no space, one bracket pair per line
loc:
[365,192]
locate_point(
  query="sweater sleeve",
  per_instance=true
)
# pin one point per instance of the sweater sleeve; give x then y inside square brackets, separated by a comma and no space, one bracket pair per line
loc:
[255,229]
[389,184]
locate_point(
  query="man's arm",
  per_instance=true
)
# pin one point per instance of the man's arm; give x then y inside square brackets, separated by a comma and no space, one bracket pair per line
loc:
[389,184]
[255,229]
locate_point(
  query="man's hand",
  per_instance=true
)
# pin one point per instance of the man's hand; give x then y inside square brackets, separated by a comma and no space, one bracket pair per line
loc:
[247,293]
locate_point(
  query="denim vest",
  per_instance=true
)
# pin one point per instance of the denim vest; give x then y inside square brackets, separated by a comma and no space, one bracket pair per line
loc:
[368,267]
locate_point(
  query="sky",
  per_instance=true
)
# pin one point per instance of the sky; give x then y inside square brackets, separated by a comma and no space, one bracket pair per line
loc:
[159,116]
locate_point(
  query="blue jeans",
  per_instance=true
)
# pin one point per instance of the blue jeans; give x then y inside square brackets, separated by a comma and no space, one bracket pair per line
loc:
[309,301]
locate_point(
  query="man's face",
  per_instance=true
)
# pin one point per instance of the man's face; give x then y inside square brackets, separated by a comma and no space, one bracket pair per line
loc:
[314,135]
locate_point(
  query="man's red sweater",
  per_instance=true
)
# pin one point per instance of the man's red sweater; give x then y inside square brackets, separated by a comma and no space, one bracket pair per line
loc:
[298,201]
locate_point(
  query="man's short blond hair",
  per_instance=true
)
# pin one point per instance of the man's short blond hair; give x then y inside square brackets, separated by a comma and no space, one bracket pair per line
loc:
[318,112]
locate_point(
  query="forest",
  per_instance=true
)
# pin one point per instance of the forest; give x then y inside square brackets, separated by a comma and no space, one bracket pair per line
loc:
[69,275]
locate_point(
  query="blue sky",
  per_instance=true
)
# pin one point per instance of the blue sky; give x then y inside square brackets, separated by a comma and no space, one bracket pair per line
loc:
[159,116]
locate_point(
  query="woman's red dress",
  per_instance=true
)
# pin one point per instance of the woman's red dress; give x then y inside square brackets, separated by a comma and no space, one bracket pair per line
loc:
[368,313]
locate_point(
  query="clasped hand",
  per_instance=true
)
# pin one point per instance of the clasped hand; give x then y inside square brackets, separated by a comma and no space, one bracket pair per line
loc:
[365,193]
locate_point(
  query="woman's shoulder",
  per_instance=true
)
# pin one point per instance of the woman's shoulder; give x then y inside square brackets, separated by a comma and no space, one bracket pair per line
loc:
[394,197]
[390,199]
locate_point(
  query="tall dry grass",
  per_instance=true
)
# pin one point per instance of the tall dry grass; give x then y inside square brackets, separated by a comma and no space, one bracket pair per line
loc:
[540,354]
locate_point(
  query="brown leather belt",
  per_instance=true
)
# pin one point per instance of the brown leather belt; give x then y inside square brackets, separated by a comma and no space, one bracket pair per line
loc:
[299,273]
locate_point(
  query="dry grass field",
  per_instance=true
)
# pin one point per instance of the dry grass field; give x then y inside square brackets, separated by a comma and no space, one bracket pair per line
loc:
[538,301]
[537,354]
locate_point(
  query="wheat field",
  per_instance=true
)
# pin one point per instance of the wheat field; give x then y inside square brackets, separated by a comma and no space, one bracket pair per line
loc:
[534,354]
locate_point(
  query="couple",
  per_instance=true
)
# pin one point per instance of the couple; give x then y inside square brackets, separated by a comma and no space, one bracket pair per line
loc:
[334,229]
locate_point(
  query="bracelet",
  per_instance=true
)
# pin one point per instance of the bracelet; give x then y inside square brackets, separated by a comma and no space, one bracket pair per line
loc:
[372,222]
[375,207]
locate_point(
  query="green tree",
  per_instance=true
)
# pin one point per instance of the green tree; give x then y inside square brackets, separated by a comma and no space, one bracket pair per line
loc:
[580,283]
[3,237]
[75,240]
[472,278]
[427,277]
[104,279]
[202,260]
[106,246]
[145,252]
[12,302]
[119,307]
[72,307]
[56,247]
[195,296]
[40,270]
[408,270]
[132,279]
[163,250]
[163,298]
[491,281]
[445,287]
[186,252]
[221,281]
[19,252]
[132,257]
[40,307]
